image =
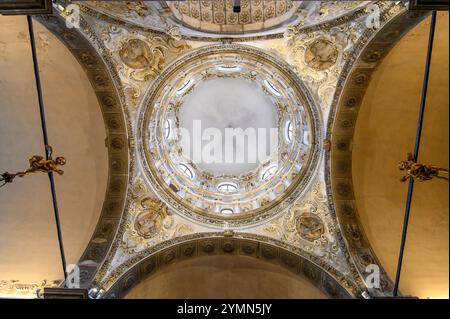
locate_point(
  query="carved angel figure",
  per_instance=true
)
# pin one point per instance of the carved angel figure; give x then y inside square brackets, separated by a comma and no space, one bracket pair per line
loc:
[420,172]
[39,164]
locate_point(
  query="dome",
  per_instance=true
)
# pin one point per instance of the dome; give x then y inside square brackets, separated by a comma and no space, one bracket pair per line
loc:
[230,138]
[218,16]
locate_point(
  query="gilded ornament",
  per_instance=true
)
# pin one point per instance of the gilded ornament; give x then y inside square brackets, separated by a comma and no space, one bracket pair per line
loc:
[149,222]
[137,54]
[37,163]
[420,172]
[310,226]
[321,54]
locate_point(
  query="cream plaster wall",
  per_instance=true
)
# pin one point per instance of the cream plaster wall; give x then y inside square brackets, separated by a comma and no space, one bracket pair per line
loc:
[225,277]
[29,248]
[385,133]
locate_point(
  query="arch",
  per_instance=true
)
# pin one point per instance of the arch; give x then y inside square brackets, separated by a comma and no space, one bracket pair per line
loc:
[117,127]
[248,245]
[352,85]
[223,277]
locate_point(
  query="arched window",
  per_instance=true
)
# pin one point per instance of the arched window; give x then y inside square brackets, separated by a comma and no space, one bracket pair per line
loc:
[269,172]
[289,132]
[167,128]
[227,187]
[272,88]
[186,170]
[229,68]
[185,87]
[227,211]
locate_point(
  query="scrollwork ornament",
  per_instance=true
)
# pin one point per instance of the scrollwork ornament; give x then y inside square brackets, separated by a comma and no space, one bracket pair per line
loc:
[309,225]
[138,56]
[149,220]
[318,56]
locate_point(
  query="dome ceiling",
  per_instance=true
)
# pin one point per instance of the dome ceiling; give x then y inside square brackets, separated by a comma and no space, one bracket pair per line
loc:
[215,19]
[229,88]
[300,76]
[218,16]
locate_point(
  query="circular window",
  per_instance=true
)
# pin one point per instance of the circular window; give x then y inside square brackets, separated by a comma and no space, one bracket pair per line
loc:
[272,88]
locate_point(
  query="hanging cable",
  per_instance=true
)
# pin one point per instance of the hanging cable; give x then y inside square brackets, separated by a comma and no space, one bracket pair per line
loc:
[48,149]
[416,151]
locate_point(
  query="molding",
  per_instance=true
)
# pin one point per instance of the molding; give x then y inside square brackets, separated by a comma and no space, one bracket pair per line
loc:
[28,7]
[351,87]
[429,5]
[117,128]
[151,261]
[65,293]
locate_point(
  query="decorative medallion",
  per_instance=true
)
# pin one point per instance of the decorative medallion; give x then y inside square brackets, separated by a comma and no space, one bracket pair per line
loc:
[136,54]
[321,54]
[309,226]
[148,222]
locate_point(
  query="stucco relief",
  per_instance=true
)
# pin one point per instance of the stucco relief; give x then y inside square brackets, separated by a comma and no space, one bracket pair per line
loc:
[318,56]
[138,56]
[321,54]
[148,221]
[142,50]
[141,12]
[308,224]
[25,289]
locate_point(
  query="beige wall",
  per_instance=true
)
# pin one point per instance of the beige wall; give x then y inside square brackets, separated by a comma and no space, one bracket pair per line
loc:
[29,249]
[225,277]
[385,133]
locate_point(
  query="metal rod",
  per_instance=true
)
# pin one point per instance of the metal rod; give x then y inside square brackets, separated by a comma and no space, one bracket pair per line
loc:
[46,144]
[237,6]
[416,151]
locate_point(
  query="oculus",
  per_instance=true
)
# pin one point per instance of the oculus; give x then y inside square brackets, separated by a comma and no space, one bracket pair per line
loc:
[228,87]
